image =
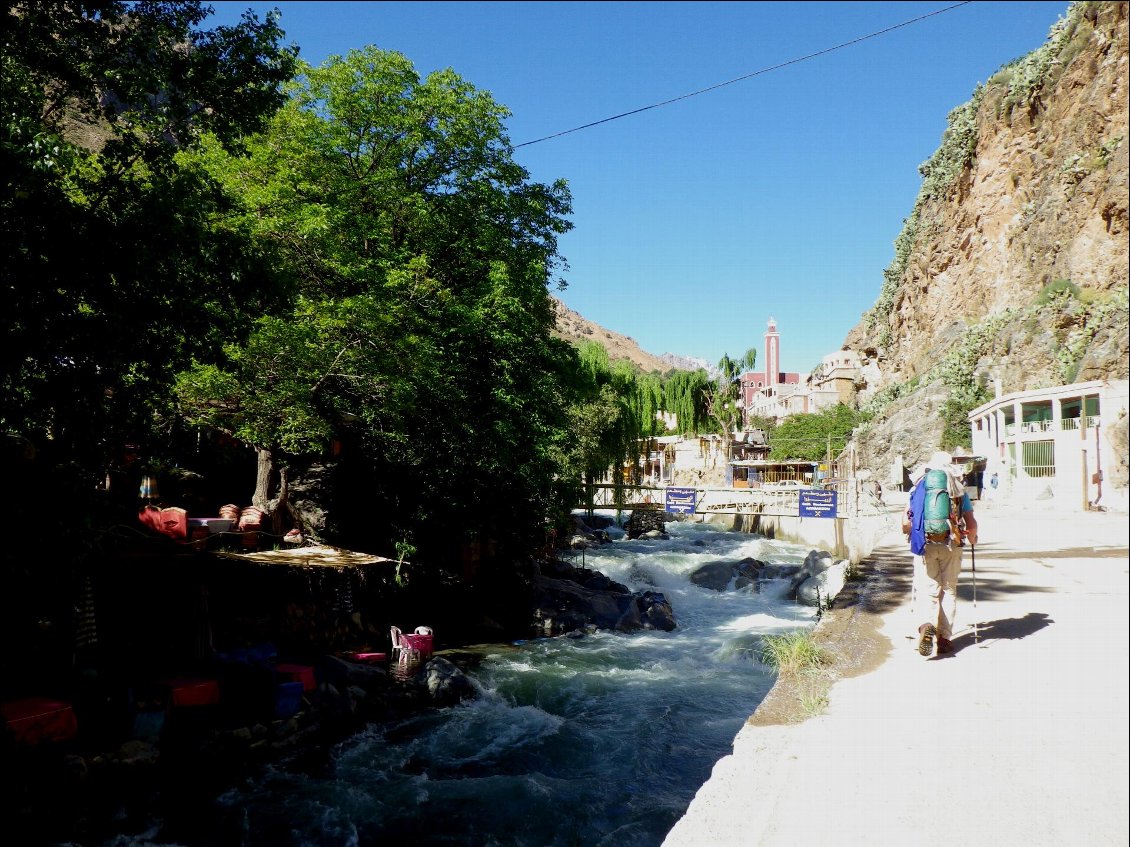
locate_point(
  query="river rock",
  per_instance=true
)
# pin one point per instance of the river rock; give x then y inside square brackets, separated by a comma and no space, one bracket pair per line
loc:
[817,561]
[135,753]
[748,572]
[823,587]
[583,542]
[561,606]
[655,611]
[343,674]
[446,684]
[598,522]
[777,572]
[715,576]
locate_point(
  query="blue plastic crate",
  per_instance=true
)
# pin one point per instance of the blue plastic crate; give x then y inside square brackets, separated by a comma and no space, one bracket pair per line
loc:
[288,699]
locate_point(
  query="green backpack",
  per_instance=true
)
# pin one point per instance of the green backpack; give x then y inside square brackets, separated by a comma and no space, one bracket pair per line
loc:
[938,508]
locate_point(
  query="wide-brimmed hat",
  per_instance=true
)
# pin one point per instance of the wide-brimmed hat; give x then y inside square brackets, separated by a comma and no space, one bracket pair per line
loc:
[940,461]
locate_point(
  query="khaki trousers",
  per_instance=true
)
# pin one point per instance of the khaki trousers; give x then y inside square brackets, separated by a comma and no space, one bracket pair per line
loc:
[936,573]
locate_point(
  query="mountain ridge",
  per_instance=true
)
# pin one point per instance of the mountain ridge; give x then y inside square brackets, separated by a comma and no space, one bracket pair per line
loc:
[575,327]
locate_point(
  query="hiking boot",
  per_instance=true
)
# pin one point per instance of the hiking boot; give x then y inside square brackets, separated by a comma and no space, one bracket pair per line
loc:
[944,645]
[926,634]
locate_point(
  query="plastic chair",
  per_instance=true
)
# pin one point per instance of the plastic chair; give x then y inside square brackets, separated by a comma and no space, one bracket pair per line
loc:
[411,648]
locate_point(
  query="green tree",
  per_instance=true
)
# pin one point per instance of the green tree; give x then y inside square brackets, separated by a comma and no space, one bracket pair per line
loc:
[420,254]
[810,436]
[614,410]
[113,274]
[724,396]
[685,395]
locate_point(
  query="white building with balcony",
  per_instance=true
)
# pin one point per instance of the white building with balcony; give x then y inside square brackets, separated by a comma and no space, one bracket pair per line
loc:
[1052,442]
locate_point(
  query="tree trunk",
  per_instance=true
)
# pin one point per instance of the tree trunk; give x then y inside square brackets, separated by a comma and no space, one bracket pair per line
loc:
[264,470]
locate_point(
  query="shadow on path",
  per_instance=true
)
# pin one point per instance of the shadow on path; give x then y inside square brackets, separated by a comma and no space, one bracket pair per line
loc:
[1070,553]
[889,575]
[1005,629]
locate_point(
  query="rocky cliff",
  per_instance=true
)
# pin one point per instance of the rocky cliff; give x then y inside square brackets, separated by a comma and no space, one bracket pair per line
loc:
[1012,265]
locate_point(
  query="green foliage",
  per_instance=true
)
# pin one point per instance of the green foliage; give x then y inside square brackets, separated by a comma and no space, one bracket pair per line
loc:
[1057,289]
[615,407]
[958,368]
[766,425]
[957,150]
[685,396]
[418,254]
[1024,79]
[808,437]
[939,173]
[115,276]
[1089,314]
[1106,150]
[723,397]
[404,549]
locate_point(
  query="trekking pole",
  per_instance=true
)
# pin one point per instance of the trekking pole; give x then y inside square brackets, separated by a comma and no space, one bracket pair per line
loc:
[973,559]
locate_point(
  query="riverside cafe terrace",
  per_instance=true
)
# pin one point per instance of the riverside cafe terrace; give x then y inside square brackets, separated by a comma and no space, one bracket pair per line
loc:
[754,473]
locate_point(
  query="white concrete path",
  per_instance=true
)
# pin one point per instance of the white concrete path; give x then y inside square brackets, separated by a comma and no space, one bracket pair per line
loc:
[1018,739]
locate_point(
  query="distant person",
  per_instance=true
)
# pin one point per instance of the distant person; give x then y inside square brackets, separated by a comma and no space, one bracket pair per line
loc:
[938,521]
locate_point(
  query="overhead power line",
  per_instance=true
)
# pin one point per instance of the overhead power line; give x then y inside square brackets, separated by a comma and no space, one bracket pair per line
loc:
[745,76]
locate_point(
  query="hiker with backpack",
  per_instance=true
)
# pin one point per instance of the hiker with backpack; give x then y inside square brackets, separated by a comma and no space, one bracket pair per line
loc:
[938,522]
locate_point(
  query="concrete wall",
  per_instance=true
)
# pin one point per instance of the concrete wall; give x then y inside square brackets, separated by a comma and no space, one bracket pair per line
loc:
[852,538]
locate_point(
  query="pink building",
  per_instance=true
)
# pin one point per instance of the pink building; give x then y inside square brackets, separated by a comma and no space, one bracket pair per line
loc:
[755,382]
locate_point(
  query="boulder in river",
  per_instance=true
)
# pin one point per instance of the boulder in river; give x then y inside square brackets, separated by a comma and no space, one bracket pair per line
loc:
[717,576]
[562,605]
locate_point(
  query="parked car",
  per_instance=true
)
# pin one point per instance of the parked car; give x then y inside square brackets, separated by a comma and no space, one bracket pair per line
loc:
[786,485]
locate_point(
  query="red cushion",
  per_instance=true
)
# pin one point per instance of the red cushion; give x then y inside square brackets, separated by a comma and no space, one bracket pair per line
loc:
[38,719]
[189,691]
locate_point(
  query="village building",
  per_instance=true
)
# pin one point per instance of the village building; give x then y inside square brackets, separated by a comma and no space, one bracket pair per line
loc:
[833,381]
[1053,443]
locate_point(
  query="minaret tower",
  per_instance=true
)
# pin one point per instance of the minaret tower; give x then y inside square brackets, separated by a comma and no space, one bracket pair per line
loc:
[772,355]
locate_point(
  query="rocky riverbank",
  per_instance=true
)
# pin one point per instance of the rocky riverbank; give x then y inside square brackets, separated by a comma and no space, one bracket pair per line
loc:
[93,788]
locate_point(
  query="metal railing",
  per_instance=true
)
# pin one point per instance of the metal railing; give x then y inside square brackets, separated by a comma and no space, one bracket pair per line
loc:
[743,501]
[1038,458]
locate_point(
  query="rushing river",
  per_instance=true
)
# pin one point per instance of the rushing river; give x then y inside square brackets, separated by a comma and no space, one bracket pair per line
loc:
[598,740]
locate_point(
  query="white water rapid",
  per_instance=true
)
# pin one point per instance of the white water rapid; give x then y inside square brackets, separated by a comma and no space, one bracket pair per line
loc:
[597,740]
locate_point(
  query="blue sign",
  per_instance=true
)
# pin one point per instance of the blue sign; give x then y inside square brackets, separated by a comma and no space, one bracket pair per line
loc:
[680,501]
[814,503]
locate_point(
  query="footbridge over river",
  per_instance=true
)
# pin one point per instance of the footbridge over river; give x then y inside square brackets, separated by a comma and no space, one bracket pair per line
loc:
[721,501]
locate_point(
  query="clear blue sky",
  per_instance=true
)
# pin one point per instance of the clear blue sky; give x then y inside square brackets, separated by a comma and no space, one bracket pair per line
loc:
[780,195]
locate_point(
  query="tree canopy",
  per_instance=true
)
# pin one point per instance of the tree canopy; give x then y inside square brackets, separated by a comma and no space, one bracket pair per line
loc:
[812,436]
[113,272]
[419,255]
[200,230]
